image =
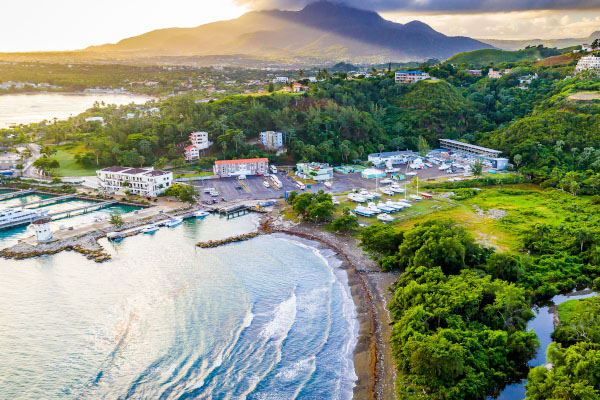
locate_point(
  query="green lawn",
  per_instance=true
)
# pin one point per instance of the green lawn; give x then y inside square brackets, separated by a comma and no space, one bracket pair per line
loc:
[568,310]
[68,165]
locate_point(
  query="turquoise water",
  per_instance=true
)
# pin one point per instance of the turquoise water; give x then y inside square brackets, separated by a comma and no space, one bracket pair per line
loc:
[9,237]
[268,318]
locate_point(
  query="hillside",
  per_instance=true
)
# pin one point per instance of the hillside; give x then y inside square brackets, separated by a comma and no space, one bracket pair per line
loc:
[563,59]
[558,43]
[495,56]
[322,29]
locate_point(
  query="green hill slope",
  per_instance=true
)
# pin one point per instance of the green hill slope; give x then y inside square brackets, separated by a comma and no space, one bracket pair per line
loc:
[494,56]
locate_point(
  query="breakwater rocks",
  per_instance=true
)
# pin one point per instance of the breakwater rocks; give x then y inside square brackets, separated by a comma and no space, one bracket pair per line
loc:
[233,239]
[86,245]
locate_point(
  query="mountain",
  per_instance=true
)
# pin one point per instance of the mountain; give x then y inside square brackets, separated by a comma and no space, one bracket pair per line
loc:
[322,29]
[558,43]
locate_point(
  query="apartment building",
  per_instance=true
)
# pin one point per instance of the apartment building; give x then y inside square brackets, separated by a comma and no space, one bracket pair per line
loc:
[411,76]
[146,182]
[272,140]
[248,166]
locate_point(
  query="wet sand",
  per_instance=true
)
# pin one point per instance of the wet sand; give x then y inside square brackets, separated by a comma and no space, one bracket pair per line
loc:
[373,362]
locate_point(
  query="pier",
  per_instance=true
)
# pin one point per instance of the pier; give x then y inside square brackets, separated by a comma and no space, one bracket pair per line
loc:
[85,209]
[46,202]
[233,211]
[6,196]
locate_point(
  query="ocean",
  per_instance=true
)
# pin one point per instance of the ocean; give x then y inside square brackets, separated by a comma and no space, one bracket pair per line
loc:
[268,318]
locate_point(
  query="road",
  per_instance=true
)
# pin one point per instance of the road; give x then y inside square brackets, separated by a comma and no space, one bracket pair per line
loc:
[29,170]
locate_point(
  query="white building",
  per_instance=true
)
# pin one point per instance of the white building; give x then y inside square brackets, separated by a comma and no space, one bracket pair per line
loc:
[200,140]
[43,233]
[9,161]
[250,166]
[588,63]
[191,153]
[411,76]
[497,74]
[143,181]
[272,140]
[586,47]
[281,79]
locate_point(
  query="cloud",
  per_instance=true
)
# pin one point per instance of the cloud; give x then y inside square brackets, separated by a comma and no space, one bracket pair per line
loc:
[435,6]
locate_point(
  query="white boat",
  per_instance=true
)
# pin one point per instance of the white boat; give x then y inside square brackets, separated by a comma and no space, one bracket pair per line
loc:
[150,229]
[364,211]
[356,198]
[396,206]
[375,195]
[411,174]
[371,206]
[19,216]
[386,181]
[173,222]
[405,203]
[385,208]
[266,184]
[415,197]
[385,218]
[386,191]
[327,185]
[201,214]
[335,201]
[396,189]
[365,193]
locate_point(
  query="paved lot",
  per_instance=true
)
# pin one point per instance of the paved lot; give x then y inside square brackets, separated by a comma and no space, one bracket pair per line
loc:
[252,188]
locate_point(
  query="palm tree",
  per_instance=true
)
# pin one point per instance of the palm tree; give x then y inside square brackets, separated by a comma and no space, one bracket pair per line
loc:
[542,231]
[583,236]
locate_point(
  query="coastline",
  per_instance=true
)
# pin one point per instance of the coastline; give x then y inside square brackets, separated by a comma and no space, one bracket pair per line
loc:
[373,362]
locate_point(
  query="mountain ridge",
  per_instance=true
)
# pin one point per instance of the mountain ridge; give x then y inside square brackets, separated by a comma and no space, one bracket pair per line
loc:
[330,30]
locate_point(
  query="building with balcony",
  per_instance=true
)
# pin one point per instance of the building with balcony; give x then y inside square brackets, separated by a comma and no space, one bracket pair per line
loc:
[411,76]
[271,140]
[146,182]
[315,171]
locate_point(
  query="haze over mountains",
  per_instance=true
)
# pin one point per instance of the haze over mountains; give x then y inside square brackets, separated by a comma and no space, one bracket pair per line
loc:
[558,43]
[322,29]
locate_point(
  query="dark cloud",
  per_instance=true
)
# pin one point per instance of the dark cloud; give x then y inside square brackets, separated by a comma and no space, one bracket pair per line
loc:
[435,6]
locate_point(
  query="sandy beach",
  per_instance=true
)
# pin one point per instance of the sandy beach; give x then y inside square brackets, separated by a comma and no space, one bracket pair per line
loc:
[373,361]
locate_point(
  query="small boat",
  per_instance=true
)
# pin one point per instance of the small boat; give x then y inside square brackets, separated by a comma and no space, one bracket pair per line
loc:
[426,195]
[396,189]
[375,195]
[201,214]
[173,222]
[117,239]
[364,211]
[394,205]
[356,198]
[150,229]
[385,218]
[371,206]
[385,208]
[405,203]
[335,201]
[415,197]
[327,185]
[386,191]
[365,194]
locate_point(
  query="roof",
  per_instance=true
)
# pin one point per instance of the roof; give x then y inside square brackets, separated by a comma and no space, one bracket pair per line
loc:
[190,147]
[114,169]
[135,171]
[474,147]
[41,221]
[157,173]
[391,153]
[243,161]
[410,72]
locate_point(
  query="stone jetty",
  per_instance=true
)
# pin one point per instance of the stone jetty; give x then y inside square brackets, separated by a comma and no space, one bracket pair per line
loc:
[86,244]
[233,239]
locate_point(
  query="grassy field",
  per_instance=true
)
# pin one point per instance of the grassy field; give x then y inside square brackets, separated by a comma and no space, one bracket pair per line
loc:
[68,165]
[568,310]
[192,174]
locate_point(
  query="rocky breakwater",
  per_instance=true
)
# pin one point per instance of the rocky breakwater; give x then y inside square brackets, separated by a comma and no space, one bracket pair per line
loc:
[233,239]
[86,244]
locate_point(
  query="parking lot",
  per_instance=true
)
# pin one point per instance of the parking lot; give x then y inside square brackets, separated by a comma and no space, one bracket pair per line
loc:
[252,188]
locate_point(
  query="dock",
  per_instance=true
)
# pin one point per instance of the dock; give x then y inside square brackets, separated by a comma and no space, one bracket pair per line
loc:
[46,202]
[87,208]
[6,196]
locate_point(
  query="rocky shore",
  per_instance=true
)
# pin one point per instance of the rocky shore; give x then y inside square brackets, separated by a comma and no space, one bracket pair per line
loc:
[373,360]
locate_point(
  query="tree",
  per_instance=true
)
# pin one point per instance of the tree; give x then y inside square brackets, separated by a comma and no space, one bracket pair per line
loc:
[185,193]
[518,159]
[46,164]
[477,168]
[116,219]
[423,146]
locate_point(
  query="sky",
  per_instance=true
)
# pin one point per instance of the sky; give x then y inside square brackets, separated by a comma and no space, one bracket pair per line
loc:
[41,25]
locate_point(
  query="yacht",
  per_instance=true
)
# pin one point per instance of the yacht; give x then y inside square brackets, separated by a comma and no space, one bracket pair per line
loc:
[371,206]
[364,211]
[356,198]
[386,191]
[396,189]
[150,229]
[365,194]
[397,206]
[376,195]
[415,197]
[385,208]
[19,216]
[173,222]
[201,214]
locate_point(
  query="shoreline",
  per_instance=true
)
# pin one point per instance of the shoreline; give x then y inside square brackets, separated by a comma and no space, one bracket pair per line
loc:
[373,363]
